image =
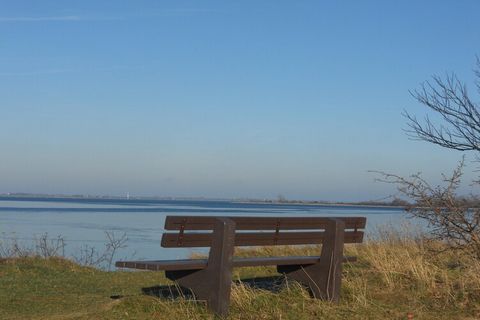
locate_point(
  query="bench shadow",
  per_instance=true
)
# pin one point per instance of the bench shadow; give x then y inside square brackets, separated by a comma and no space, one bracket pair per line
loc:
[272,283]
[171,292]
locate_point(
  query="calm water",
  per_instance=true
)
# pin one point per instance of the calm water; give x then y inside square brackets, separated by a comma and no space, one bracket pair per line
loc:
[84,221]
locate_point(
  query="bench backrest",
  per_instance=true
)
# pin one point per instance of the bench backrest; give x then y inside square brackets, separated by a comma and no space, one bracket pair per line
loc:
[196,231]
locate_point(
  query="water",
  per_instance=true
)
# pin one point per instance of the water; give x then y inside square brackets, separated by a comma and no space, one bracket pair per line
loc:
[84,221]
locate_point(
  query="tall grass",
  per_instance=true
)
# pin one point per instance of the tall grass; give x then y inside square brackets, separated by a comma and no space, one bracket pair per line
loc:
[427,269]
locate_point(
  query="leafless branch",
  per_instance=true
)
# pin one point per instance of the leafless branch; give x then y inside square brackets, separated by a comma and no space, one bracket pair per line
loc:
[460,117]
[452,219]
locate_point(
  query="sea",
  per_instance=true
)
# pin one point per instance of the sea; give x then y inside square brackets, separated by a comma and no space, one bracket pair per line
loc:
[83,223]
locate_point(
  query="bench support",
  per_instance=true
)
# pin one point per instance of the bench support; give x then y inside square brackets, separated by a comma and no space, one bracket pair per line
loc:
[323,278]
[213,283]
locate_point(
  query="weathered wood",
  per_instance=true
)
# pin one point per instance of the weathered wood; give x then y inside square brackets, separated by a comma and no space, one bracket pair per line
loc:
[197,264]
[213,283]
[260,223]
[160,265]
[323,278]
[191,240]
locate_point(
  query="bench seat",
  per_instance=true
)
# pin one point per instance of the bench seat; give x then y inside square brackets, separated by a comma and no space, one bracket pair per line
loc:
[197,264]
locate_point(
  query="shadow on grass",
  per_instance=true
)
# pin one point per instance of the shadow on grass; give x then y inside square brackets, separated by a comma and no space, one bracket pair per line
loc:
[273,284]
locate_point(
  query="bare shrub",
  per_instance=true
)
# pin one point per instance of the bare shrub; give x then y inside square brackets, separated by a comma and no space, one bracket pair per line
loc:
[90,256]
[49,247]
[451,219]
[12,248]
[45,246]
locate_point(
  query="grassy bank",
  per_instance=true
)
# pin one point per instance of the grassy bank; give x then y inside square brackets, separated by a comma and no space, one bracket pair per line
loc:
[393,277]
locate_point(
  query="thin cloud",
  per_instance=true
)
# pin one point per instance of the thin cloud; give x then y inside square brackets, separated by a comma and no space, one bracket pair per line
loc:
[78,18]
[36,73]
[114,68]
[191,10]
[56,18]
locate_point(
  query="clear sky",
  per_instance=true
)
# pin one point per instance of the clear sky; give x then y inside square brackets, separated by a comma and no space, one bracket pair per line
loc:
[223,98]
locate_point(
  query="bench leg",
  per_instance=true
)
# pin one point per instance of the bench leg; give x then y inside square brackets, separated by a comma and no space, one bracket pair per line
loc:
[213,284]
[323,278]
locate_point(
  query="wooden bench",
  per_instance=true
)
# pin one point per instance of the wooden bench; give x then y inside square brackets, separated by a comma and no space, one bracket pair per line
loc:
[210,279]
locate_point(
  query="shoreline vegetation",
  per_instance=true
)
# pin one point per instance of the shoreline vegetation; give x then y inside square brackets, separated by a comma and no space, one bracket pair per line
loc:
[398,273]
[395,203]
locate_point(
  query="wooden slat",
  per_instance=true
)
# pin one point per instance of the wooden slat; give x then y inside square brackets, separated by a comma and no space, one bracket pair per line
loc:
[188,264]
[173,240]
[261,223]
[197,264]
[275,261]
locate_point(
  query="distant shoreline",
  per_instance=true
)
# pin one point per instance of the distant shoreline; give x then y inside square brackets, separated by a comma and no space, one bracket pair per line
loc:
[322,204]
[33,197]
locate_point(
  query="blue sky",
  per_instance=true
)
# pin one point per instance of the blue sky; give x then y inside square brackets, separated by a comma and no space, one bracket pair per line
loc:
[223,98]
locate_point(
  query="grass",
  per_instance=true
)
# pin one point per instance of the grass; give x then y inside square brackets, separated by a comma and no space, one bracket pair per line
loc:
[393,277]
